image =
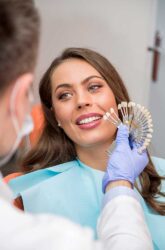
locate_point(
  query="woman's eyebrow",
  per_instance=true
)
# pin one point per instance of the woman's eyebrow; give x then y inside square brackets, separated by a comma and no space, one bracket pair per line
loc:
[68,85]
[63,85]
[90,77]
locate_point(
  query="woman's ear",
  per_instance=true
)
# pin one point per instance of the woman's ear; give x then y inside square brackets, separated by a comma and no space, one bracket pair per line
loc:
[20,96]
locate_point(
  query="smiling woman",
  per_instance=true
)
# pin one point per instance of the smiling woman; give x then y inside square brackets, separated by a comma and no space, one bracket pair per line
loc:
[76,90]
[80,99]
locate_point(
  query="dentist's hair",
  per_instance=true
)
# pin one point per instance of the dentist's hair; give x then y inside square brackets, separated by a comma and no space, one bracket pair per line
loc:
[54,147]
[19,37]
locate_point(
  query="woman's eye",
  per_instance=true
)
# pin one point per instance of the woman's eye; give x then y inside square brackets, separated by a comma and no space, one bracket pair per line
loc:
[64,96]
[95,87]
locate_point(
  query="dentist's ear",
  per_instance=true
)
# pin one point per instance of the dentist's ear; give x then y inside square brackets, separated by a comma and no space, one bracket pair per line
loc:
[19,100]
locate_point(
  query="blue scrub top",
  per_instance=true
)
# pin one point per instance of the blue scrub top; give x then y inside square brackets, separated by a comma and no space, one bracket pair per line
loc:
[74,190]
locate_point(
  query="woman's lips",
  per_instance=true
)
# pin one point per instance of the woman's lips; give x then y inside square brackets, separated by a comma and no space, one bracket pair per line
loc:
[88,121]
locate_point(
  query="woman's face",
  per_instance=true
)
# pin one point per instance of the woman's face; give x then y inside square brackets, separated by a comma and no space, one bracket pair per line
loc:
[80,98]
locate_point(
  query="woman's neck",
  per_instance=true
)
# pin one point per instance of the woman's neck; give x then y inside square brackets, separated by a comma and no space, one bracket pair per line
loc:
[94,157]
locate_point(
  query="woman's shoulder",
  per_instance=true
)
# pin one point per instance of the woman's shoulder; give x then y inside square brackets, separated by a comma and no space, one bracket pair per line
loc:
[159,164]
[24,182]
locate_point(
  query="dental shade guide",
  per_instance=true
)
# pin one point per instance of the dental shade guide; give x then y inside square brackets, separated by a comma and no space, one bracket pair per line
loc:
[137,118]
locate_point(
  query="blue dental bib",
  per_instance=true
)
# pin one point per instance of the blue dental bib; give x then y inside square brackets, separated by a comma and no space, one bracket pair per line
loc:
[74,190]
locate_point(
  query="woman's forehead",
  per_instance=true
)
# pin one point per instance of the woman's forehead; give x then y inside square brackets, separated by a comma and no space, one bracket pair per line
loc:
[73,70]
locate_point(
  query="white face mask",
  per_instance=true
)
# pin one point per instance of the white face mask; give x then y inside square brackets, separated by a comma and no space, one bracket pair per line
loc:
[27,127]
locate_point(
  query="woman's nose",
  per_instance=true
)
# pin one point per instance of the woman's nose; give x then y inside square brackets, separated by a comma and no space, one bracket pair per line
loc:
[81,105]
[83,101]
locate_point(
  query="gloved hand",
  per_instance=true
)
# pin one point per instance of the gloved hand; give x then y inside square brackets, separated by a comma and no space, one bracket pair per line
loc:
[125,163]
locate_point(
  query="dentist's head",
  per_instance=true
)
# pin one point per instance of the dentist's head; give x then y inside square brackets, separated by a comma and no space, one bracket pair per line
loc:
[19,37]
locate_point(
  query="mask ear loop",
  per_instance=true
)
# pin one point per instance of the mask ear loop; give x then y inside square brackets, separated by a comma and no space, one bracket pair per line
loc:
[12,107]
[5,159]
[29,121]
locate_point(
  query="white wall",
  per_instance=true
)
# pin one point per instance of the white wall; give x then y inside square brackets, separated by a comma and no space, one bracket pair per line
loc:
[119,29]
[157,95]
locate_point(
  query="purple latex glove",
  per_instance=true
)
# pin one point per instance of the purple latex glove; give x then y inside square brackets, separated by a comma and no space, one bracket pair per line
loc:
[124,163]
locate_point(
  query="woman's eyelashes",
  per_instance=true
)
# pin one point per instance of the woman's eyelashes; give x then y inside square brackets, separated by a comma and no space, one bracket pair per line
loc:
[65,96]
[94,87]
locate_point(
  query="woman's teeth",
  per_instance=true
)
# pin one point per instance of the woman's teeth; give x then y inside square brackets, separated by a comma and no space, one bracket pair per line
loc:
[90,119]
